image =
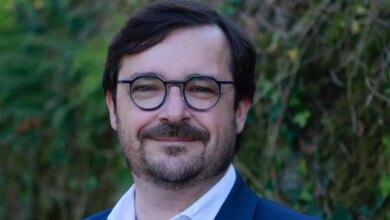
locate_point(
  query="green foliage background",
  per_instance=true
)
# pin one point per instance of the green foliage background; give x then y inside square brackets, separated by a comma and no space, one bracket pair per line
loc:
[317,138]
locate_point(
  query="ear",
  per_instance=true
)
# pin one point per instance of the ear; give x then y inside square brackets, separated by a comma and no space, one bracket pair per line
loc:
[112,109]
[241,114]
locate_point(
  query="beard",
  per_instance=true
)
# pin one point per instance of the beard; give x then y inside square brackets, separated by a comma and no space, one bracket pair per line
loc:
[178,172]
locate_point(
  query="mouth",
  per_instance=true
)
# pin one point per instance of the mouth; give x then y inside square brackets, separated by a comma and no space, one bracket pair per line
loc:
[174,140]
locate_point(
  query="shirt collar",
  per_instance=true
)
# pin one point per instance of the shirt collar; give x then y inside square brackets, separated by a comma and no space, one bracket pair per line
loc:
[206,207]
[125,208]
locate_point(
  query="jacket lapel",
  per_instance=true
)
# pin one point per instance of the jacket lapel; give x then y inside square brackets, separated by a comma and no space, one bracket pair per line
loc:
[240,203]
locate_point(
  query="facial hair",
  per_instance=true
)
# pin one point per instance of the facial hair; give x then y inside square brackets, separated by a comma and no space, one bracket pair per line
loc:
[182,172]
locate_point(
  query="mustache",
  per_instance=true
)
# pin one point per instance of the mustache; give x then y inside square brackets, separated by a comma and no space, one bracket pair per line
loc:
[180,130]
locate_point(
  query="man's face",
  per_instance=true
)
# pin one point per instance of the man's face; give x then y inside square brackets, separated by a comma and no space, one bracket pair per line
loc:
[175,145]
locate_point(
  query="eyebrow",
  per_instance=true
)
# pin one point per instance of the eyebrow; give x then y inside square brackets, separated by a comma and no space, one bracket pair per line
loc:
[159,75]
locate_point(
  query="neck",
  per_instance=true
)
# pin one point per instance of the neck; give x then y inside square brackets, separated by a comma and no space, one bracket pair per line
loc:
[157,202]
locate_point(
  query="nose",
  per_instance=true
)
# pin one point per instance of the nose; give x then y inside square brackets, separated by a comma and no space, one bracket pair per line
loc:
[174,109]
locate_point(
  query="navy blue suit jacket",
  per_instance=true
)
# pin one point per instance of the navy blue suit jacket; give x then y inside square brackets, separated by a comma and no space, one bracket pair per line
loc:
[243,204]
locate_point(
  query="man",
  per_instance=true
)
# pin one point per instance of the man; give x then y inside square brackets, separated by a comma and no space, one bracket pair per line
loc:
[179,81]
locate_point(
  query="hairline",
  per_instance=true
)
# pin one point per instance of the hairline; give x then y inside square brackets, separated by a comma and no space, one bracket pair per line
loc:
[226,41]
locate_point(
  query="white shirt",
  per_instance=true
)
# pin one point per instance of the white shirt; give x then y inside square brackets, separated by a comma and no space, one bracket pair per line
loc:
[206,207]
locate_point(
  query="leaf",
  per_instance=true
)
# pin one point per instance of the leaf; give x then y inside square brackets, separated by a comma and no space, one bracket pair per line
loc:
[355,27]
[302,167]
[293,55]
[301,118]
[386,142]
[305,194]
[384,186]
[361,10]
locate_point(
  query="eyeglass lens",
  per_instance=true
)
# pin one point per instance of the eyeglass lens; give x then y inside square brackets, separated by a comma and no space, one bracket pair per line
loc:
[199,93]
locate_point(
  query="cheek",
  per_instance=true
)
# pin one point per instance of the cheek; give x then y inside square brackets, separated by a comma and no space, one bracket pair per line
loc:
[219,121]
[224,113]
[131,120]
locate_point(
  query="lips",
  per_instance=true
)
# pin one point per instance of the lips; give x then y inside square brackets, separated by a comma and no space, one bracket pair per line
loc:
[173,139]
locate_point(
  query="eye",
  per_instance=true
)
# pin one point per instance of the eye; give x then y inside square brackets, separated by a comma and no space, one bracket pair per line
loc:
[200,89]
[145,88]
[147,85]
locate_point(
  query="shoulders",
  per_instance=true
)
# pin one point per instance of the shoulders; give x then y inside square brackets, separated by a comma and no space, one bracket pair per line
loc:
[266,209]
[99,216]
[243,203]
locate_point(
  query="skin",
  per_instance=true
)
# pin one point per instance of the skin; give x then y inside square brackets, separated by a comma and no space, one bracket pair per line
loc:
[177,167]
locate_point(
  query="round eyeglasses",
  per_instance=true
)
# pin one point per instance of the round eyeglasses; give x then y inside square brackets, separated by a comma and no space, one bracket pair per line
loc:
[199,93]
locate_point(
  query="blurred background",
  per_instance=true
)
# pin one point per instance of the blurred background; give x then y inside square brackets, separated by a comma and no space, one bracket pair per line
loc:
[317,138]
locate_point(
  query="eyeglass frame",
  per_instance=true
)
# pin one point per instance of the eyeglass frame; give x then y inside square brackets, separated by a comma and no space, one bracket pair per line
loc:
[181,84]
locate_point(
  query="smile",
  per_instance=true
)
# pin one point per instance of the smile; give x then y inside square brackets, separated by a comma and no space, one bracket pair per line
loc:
[174,139]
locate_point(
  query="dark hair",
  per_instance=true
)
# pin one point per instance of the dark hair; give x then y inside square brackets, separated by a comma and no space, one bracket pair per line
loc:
[152,25]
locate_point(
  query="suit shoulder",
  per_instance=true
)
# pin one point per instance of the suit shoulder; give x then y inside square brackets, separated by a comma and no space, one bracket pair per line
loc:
[99,216]
[267,209]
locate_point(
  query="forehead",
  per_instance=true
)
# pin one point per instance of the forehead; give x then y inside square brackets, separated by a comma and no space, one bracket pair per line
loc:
[202,50]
